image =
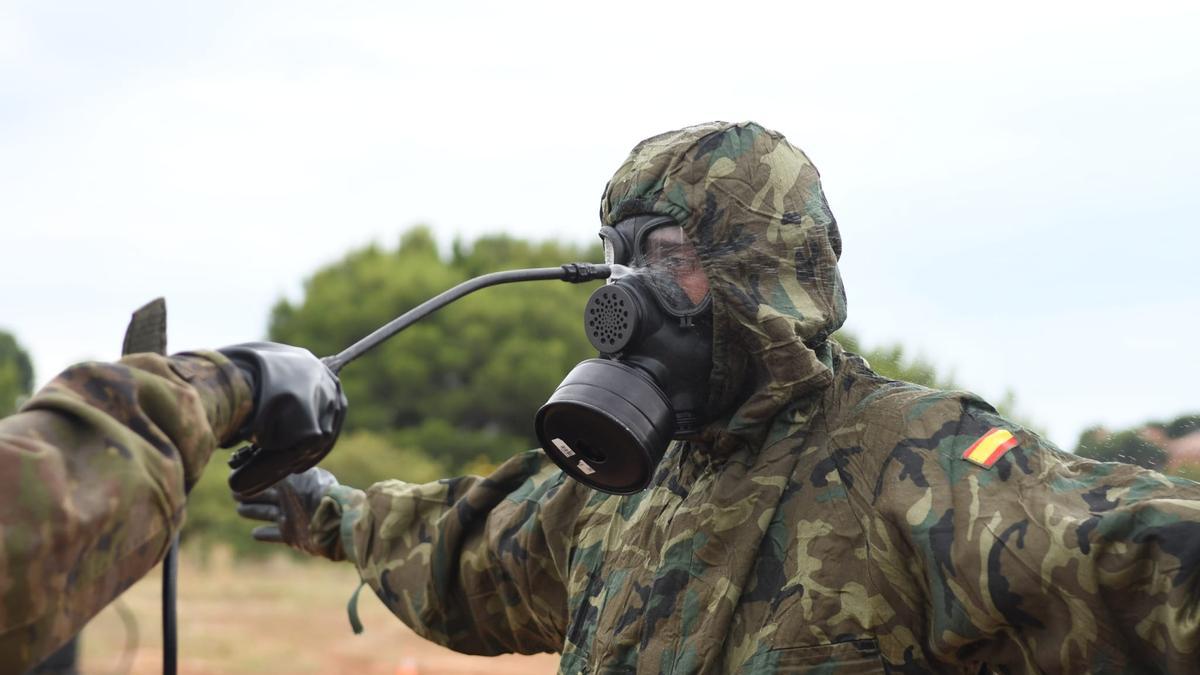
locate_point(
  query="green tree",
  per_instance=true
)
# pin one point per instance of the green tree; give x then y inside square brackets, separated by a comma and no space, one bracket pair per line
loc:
[1144,445]
[1126,446]
[464,382]
[1182,426]
[16,374]
[893,361]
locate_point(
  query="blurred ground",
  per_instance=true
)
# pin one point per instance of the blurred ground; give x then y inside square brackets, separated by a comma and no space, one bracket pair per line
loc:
[275,616]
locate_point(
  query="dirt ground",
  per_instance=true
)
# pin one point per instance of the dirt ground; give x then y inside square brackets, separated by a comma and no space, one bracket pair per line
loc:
[275,616]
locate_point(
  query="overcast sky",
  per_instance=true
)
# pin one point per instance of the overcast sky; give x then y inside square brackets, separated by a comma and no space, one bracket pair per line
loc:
[1016,186]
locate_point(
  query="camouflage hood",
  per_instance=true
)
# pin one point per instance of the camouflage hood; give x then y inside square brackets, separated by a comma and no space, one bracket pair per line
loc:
[753,206]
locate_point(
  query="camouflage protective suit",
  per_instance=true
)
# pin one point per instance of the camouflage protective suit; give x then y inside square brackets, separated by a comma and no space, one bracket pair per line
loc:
[828,522]
[94,471]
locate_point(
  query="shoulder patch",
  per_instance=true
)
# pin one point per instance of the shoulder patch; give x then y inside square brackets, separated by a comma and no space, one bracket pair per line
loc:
[990,447]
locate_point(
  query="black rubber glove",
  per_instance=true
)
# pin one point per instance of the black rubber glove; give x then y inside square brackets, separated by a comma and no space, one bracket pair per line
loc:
[298,411]
[289,506]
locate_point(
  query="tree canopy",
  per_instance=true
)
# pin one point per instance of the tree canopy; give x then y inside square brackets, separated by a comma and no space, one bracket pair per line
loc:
[466,381]
[893,361]
[1126,446]
[1146,445]
[16,374]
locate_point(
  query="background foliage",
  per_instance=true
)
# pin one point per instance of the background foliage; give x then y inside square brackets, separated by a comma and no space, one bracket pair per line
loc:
[16,374]
[464,382]
[1148,445]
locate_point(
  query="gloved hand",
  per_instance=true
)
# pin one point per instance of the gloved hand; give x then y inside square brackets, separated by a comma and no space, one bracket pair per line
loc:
[289,506]
[298,411]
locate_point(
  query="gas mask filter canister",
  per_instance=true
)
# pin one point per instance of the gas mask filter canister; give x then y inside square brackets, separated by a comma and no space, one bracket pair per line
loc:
[610,421]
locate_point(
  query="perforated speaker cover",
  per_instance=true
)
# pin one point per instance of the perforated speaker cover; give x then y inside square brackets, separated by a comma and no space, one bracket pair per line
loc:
[611,318]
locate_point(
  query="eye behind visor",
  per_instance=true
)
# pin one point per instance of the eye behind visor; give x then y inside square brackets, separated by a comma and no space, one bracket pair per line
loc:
[656,250]
[673,269]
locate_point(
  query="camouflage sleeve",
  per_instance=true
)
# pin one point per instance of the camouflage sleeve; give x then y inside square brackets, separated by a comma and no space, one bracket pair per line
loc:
[1040,562]
[93,474]
[476,564]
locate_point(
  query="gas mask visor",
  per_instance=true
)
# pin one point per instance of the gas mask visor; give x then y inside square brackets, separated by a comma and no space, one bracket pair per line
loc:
[610,421]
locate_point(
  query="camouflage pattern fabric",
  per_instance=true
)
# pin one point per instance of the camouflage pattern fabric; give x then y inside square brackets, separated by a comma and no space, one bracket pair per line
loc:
[827,523]
[94,471]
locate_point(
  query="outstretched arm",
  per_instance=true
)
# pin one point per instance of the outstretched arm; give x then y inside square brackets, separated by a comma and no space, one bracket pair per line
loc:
[476,564]
[93,476]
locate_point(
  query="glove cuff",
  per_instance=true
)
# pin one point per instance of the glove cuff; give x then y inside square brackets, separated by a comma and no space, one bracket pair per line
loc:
[249,365]
[331,530]
[225,391]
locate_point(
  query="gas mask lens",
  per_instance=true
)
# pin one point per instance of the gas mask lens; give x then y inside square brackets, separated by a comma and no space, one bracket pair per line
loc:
[609,423]
[672,269]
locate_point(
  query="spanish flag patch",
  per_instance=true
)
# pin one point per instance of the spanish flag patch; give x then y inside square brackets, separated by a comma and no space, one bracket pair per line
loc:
[990,447]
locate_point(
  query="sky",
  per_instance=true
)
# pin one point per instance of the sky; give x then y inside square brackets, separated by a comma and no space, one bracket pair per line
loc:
[1016,185]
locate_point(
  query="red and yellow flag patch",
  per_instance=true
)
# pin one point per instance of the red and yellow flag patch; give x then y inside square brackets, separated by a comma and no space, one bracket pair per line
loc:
[990,447]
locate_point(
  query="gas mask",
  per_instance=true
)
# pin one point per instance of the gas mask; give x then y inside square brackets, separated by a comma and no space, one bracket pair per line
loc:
[612,418]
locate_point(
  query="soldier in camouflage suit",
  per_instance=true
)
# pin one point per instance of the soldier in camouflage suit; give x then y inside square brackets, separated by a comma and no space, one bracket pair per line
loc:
[830,521]
[95,468]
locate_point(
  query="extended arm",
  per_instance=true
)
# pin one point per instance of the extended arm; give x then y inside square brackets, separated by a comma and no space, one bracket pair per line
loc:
[95,469]
[93,476]
[476,564]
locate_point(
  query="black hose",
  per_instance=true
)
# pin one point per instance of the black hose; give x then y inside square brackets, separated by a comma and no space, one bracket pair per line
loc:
[170,634]
[571,272]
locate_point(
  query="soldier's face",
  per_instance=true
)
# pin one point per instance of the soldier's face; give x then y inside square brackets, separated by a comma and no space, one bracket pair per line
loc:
[668,251]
